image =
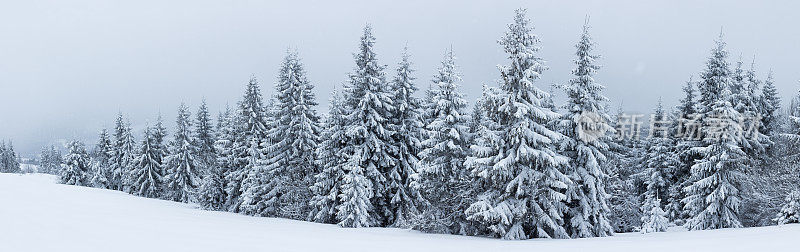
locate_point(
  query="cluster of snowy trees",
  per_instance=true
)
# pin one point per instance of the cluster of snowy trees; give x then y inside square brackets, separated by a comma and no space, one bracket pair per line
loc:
[515,166]
[9,160]
[725,158]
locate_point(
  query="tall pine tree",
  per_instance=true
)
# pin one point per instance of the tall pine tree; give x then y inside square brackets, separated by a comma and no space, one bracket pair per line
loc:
[205,137]
[713,197]
[123,151]
[443,177]
[685,133]
[101,165]
[182,174]
[586,125]
[327,183]
[290,163]
[770,106]
[249,128]
[407,122]
[525,194]
[147,171]
[369,148]
[211,193]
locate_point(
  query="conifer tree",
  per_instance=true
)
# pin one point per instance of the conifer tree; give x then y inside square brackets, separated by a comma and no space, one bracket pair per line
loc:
[50,160]
[290,163]
[686,137]
[660,159]
[770,105]
[252,198]
[9,161]
[211,193]
[586,146]
[2,156]
[369,148]
[793,126]
[205,137]
[356,209]
[713,197]
[43,159]
[159,134]
[443,177]
[182,175]
[654,219]
[407,121]
[122,153]
[147,171]
[327,183]
[518,160]
[101,162]
[427,106]
[249,128]
[754,142]
[75,170]
[790,211]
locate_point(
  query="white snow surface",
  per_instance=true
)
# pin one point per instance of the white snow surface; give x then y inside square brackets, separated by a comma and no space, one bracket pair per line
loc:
[37,214]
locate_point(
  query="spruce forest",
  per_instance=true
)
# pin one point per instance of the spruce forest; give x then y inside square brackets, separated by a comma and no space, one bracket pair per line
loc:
[523,161]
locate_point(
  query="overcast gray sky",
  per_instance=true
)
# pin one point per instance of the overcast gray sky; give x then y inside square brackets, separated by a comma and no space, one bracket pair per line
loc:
[68,67]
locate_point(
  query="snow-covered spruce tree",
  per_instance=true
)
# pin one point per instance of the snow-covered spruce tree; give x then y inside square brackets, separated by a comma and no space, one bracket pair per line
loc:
[623,186]
[101,161]
[211,194]
[284,190]
[654,218]
[586,125]
[204,137]
[3,165]
[369,144]
[249,128]
[182,174]
[660,159]
[252,201]
[75,170]
[712,199]
[790,211]
[427,105]
[624,166]
[443,178]
[122,154]
[686,138]
[755,142]
[356,209]
[43,159]
[50,160]
[525,186]
[738,87]
[770,103]
[2,155]
[327,183]
[147,171]
[793,124]
[159,134]
[408,127]
[9,161]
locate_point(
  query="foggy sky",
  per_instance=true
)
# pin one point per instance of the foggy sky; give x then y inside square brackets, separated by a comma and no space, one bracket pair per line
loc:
[68,67]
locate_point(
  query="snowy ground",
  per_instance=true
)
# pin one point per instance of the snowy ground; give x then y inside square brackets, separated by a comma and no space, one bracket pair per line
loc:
[36,214]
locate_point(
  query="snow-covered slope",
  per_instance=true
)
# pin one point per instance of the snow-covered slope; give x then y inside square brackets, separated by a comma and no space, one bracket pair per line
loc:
[36,214]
